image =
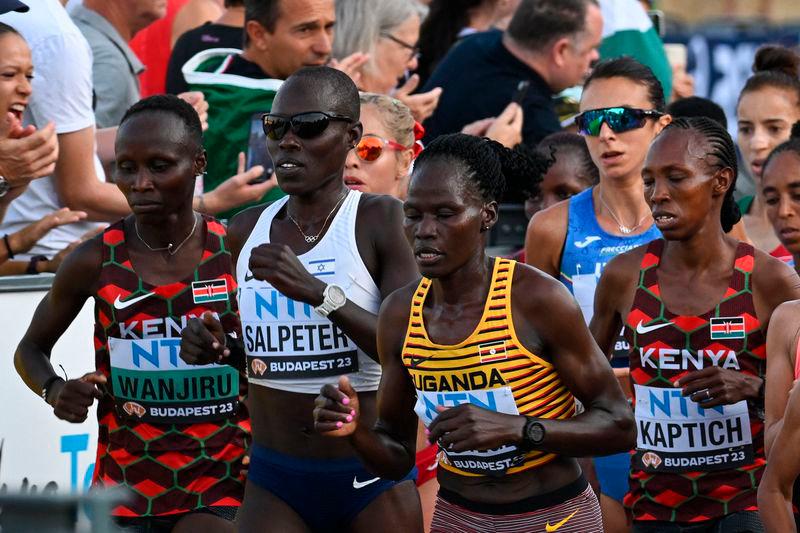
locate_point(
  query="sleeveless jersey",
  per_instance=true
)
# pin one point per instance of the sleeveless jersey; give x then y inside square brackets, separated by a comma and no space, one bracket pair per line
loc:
[490,369]
[290,346]
[173,434]
[588,247]
[693,464]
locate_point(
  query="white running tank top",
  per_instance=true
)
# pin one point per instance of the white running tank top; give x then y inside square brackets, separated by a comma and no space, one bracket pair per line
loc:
[288,345]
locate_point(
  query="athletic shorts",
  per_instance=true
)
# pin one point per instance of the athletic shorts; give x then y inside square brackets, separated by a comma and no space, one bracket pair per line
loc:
[427,460]
[326,493]
[612,473]
[741,522]
[165,524]
[571,509]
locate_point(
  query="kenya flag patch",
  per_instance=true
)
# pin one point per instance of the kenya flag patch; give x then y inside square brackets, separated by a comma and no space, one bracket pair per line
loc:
[727,328]
[212,290]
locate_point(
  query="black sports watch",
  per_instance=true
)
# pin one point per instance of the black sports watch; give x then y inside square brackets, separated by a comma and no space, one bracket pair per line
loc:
[532,434]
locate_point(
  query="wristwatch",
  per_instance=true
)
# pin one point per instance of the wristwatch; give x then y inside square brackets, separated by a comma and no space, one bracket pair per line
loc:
[31,268]
[48,384]
[333,298]
[5,186]
[532,434]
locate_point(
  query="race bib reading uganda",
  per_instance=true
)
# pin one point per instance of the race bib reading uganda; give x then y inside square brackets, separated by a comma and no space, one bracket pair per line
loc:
[483,462]
[675,434]
[287,339]
[151,383]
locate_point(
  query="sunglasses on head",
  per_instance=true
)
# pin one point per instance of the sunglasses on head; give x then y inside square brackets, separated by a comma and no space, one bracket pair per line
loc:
[619,119]
[304,125]
[370,147]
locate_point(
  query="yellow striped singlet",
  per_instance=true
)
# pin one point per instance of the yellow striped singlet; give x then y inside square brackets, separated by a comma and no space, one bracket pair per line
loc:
[490,369]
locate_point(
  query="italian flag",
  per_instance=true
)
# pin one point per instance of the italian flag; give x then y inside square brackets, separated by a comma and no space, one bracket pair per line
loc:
[627,31]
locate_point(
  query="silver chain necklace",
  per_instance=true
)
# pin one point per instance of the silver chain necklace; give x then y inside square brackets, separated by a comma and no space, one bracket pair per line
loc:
[313,238]
[625,230]
[170,248]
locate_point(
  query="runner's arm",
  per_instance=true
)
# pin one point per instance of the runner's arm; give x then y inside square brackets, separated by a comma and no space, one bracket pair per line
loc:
[606,426]
[775,490]
[72,286]
[387,449]
[781,343]
[544,239]
[607,321]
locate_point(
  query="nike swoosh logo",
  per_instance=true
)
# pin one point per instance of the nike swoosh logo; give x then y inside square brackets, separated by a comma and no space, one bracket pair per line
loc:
[361,484]
[556,527]
[587,241]
[119,304]
[432,466]
[641,330]
[248,276]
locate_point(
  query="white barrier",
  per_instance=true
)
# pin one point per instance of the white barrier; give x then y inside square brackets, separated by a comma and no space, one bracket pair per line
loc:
[37,449]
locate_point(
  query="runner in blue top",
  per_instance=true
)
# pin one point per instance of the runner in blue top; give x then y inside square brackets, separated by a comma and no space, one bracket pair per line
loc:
[622,110]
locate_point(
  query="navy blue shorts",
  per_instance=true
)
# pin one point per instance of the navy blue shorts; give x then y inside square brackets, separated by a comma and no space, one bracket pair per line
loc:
[326,493]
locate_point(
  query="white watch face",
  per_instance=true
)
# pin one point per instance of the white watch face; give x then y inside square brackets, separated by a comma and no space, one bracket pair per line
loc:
[5,186]
[336,296]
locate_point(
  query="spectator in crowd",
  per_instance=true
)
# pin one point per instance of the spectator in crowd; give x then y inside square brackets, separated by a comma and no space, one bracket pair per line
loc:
[62,94]
[281,36]
[108,26]
[768,106]
[697,106]
[549,43]
[225,32]
[386,32]
[380,162]
[449,21]
[194,13]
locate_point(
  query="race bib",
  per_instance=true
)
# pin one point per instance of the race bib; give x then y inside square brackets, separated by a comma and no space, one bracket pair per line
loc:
[675,434]
[286,339]
[584,287]
[483,462]
[152,384]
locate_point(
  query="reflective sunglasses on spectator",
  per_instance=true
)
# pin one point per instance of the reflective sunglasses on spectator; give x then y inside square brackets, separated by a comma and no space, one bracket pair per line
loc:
[370,147]
[619,119]
[304,125]
[413,47]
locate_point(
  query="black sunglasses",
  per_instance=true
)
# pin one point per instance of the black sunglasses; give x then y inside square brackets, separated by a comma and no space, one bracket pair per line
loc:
[304,125]
[619,119]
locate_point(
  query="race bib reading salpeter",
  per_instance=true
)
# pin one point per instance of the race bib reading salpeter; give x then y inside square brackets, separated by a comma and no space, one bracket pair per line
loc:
[484,462]
[287,339]
[675,434]
[152,384]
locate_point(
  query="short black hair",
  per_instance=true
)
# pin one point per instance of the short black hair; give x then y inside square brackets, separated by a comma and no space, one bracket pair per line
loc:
[5,28]
[697,106]
[564,142]
[792,145]
[265,12]
[488,165]
[720,147]
[628,68]
[537,23]
[333,86]
[169,103]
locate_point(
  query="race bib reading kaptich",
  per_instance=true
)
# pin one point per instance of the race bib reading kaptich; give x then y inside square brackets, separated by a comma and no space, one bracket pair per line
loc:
[492,462]
[675,434]
[151,383]
[287,339]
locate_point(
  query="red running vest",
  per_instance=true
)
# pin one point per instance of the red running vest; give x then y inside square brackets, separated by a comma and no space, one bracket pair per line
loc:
[693,464]
[171,433]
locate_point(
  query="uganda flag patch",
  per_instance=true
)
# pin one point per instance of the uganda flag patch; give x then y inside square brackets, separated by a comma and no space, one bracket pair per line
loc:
[212,290]
[727,328]
[492,351]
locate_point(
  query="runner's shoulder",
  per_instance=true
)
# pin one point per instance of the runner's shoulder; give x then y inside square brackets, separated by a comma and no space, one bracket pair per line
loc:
[533,288]
[396,306]
[622,271]
[773,280]
[242,224]
[550,225]
[375,208]
[80,269]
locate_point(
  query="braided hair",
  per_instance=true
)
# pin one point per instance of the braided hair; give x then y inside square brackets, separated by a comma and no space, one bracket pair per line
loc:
[486,164]
[792,145]
[720,149]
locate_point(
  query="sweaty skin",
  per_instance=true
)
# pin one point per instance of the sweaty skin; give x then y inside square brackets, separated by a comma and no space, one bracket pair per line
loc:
[441,213]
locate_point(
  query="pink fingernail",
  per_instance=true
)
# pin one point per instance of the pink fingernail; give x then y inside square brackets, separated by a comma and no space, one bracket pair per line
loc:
[353,412]
[345,400]
[349,418]
[339,424]
[427,431]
